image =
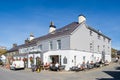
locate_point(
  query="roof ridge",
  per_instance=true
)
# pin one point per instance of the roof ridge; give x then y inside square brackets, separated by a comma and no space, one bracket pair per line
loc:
[93,29]
[57,30]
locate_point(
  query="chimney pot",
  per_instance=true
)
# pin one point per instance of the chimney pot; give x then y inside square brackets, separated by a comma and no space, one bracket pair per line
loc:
[14,45]
[81,18]
[31,36]
[52,27]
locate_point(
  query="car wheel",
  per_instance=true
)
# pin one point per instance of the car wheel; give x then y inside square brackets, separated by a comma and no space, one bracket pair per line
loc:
[14,68]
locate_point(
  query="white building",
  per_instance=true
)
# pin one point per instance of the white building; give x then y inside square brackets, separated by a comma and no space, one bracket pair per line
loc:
[74,43]
[29,49]
[70,45]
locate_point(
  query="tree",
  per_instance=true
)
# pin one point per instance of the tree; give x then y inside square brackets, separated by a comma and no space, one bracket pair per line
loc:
[113,52]
[2,51]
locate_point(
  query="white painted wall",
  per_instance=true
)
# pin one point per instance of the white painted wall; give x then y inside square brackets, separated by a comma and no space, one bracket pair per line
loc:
[81,19]
[34,56]
[79,39]
[52,29]
[65,43]
[70,57]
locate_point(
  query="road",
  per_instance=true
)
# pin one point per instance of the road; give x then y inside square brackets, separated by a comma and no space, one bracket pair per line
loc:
[111,72]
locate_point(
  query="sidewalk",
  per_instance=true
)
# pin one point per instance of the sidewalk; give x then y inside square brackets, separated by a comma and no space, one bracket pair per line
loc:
[47,71]
[94,69]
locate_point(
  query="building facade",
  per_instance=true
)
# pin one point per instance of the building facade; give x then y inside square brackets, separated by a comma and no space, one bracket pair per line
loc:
[77,42]
[70,45]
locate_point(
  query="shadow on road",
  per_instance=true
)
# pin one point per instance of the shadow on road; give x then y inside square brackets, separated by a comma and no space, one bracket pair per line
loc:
[117,68]
[114,74]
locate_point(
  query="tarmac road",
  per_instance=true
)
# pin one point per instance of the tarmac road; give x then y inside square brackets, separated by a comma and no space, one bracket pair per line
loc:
[111,72]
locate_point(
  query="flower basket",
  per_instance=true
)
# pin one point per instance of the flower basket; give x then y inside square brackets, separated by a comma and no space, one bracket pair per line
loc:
[31,60]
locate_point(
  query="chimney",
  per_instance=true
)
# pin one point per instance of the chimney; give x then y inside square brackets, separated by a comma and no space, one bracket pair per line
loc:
[81,18]
[26,41]
[52,27]
[14,45]
[31,36]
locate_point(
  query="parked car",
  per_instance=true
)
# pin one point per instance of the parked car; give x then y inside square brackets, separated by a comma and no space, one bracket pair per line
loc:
[17,65]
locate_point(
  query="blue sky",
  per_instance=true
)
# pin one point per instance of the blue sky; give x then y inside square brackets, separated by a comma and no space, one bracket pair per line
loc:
[19,18]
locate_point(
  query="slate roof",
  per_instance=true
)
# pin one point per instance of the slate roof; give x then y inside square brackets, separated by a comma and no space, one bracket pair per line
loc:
[66,30]
[13,49]
[32,43]
[97,32]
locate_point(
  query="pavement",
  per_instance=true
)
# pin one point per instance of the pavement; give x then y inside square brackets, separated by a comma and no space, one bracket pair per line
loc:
[47,71]
[90,70]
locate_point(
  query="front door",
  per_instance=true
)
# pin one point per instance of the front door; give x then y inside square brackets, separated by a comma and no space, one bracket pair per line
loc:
[54,58]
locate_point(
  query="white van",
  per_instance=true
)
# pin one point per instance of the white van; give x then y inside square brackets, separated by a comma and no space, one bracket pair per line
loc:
[17,65]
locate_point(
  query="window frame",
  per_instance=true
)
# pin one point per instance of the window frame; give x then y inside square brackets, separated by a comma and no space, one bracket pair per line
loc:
[59,44]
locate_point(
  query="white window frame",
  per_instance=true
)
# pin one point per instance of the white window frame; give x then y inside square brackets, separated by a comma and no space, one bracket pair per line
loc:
[40,47]
[50,45]
[58,44]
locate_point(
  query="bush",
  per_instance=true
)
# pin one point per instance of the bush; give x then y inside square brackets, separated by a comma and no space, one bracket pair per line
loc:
[1,62]
[113,55]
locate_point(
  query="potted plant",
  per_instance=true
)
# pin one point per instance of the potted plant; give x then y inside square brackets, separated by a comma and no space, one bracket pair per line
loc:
[31,60]
[38,64]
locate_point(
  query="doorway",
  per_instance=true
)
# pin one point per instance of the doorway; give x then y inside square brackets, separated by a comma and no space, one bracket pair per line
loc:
[54,58]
